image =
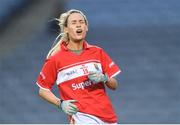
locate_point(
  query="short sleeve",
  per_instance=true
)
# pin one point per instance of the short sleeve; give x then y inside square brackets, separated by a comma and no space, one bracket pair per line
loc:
[48,74]
[108,65]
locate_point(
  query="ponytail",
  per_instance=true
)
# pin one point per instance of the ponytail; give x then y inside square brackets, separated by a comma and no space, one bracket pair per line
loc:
[55,47]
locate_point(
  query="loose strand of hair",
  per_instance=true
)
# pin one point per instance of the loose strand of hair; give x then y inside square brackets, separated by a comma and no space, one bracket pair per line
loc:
[55,47]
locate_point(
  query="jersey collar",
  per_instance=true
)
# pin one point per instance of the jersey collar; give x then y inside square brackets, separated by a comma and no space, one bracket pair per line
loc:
[85,46]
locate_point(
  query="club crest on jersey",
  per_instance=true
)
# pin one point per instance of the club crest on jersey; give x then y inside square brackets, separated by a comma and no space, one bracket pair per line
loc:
[96,67]
[85,69]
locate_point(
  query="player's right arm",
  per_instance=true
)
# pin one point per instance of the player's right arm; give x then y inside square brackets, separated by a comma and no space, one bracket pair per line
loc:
[67,106]
[50,97]
[45,82]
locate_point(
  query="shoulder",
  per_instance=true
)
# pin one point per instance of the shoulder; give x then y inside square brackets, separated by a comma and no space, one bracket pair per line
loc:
[94,47]
[54,55]
[100,50]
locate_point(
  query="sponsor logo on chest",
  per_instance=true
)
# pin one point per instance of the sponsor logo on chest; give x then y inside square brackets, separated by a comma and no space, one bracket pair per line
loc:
[77,71]
[82,85]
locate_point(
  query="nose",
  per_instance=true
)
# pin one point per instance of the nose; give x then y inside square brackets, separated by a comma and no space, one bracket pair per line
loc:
[78,25]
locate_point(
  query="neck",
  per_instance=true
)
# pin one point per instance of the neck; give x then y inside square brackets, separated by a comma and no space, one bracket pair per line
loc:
[75,45]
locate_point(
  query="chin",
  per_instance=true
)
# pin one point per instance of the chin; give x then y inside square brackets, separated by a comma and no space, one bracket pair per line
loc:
[78,40]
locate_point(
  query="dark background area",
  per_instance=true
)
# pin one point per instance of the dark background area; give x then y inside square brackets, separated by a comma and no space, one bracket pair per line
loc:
[141,36]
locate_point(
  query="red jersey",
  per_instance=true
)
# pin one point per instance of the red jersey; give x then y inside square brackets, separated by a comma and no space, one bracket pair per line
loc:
[70,71]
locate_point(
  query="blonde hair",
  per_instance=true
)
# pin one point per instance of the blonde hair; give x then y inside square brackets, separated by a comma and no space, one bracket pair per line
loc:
[63,37]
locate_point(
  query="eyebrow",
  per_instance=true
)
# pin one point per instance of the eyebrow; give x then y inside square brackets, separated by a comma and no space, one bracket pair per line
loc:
[77,20]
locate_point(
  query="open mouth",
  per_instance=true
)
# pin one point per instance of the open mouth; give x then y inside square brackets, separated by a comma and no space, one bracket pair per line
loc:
[79,31]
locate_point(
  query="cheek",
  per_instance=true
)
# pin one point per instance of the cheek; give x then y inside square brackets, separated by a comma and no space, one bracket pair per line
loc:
[84,34]
[86,28]
[71,31]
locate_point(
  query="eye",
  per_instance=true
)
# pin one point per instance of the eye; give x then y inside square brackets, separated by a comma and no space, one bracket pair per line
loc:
[82,21]
[73,23]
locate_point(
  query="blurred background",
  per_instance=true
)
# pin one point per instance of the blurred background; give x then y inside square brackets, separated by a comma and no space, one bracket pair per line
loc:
[141,36]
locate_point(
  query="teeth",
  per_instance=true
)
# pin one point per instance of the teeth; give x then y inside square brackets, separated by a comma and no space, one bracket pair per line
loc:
[79,31]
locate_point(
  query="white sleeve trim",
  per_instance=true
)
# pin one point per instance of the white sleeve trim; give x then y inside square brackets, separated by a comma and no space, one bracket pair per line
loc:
[42,87]
[115,74]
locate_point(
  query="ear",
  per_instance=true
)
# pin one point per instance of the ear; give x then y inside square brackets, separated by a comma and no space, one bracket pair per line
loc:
[86,28]
[65,30]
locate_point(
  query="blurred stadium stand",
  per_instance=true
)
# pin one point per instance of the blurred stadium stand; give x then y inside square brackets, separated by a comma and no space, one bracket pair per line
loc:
[141,36]
[10,9]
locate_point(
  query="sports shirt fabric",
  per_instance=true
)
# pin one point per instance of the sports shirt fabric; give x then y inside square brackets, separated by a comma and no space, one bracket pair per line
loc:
[70,72]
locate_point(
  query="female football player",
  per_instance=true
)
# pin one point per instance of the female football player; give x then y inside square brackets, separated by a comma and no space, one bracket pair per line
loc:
[81,72]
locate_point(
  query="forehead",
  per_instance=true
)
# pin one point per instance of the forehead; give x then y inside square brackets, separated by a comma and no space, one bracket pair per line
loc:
[75,16]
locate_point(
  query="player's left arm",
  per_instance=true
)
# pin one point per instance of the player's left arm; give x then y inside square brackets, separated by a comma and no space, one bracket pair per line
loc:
[110,71]
[112,83]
